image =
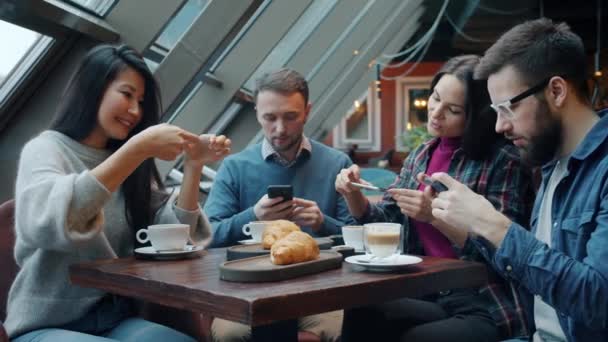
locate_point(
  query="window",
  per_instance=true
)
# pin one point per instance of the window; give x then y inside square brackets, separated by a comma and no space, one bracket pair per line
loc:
[22,50]
[361,126]
[96,7]
[412,97]
[418,98]
[293,40]
[173,31]
[202,76]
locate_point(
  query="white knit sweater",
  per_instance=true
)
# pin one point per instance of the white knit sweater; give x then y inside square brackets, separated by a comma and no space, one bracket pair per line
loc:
[64,215]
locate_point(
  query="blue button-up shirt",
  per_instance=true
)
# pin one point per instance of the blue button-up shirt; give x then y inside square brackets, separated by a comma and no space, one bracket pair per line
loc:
[572,276]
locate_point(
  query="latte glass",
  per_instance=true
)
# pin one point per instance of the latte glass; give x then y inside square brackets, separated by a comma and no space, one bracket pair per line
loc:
[382,239]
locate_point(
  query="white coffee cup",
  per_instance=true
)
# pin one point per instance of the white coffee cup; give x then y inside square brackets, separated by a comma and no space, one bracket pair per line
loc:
[353,237]
[382,239]
[255,229]
[165,237]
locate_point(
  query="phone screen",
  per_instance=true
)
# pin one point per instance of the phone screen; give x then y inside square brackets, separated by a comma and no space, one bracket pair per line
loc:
[285,191]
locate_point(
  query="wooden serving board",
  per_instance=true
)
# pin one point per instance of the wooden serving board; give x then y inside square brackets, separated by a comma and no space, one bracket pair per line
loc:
[261,269]
[248,251]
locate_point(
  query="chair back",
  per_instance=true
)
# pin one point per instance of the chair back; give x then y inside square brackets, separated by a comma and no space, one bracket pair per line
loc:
[378,177]
[7,245]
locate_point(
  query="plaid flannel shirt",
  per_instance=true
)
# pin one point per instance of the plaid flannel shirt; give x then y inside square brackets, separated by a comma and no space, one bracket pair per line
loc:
[505,182]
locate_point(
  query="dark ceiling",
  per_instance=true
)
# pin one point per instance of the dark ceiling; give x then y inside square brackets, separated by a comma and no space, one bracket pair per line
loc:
[481,22]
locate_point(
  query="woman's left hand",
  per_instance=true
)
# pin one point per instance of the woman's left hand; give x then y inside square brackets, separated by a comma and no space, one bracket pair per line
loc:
[209,148]
[415,204]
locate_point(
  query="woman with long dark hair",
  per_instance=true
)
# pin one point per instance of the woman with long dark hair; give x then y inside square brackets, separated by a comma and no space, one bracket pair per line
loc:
[85,186]
[465,146]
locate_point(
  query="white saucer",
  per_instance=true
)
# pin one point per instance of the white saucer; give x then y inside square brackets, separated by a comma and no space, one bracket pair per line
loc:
[389,264]
[150,252]
[249,242]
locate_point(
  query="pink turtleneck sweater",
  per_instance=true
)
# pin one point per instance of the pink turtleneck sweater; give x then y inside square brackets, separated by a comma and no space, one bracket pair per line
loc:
[435,243]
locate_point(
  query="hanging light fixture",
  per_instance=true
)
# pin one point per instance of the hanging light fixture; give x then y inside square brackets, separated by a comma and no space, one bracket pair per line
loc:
[378,84]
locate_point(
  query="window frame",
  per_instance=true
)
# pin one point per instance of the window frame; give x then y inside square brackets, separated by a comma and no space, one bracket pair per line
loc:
[402,100]
[374,132]
[24,67]
[105,8]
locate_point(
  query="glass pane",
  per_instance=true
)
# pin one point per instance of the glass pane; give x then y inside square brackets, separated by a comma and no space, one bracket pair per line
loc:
[414,130]
[243,127]
[417,107]
[291,42]
[97,7]
[173,32]
[357,122]
[180,23]
[22,49]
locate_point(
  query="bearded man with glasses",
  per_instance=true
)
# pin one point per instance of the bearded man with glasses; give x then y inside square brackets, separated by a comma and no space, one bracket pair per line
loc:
[560,265]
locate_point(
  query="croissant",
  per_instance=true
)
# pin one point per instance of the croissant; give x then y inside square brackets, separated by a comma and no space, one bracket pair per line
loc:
[293,248]
[276,230]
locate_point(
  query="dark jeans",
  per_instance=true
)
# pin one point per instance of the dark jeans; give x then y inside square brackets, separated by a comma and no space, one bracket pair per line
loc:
[278,331]
[451,317]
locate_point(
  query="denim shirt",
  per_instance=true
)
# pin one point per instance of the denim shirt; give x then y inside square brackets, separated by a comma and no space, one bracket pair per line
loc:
[572,276]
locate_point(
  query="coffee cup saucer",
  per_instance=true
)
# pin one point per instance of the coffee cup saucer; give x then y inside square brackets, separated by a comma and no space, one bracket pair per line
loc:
[150,253]
[392,263]
[248,242]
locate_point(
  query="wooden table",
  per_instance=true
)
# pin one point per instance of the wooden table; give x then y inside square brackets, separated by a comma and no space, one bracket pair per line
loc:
[195,285]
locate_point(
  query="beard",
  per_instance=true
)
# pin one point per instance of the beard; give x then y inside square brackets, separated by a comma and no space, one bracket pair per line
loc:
[295,142]
[543,146]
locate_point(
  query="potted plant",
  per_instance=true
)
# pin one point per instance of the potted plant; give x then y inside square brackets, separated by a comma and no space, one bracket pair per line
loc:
[414,137]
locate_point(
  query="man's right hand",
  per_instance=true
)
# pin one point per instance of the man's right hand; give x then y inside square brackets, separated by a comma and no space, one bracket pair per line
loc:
[344,179]
[268,209]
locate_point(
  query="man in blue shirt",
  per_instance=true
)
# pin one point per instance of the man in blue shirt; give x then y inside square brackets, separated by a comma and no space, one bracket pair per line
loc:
[537,82]
[284,157]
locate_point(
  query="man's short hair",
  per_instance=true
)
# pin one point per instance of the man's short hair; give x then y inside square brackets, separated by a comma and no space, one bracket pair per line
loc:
[284,81]
[539,49]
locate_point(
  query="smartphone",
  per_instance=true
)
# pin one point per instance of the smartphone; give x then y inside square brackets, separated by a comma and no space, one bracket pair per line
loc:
[436,185]
[285,191]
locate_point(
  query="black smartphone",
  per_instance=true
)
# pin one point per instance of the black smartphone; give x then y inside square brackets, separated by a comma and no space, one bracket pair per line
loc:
[436,185]
[285,191]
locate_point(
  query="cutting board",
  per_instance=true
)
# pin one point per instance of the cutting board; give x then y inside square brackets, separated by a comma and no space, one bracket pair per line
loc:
[248,251]
[261,269]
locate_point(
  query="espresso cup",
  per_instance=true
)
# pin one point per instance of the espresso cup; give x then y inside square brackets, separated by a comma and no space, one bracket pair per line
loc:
[382,239]
[353,237]
[255,230]
[165,237]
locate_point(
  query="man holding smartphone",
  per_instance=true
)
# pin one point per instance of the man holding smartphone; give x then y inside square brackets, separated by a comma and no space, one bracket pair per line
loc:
[285,157]
[537,79]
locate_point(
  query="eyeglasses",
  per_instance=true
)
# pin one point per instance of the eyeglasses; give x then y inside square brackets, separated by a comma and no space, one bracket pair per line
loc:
[504,108]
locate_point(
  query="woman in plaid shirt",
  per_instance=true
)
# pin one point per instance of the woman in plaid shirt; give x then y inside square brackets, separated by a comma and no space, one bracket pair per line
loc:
[466,147]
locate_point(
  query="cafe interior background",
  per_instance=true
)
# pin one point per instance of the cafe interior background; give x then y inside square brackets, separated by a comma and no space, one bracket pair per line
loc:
[369,63]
